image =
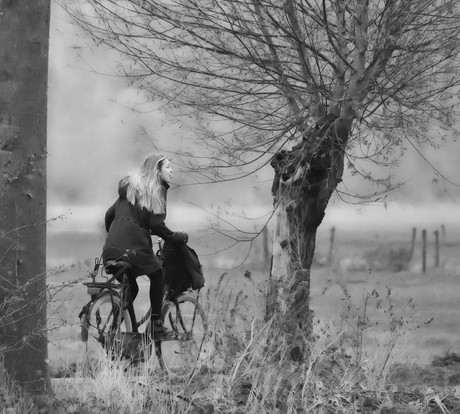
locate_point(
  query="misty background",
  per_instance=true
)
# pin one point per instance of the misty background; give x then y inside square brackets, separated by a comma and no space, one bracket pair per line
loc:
[99,129]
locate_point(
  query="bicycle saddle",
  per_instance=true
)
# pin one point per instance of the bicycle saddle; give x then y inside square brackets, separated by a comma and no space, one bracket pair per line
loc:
[113,266]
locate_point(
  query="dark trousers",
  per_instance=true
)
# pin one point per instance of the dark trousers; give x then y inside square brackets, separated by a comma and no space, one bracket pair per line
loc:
[155,294]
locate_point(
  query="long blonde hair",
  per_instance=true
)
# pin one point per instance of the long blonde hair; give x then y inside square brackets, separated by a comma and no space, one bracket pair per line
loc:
[144,185]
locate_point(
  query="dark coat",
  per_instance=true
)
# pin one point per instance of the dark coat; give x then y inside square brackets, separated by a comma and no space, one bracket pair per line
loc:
[129,228]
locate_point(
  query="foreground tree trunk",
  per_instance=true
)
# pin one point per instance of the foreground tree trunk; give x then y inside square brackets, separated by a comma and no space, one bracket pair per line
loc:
[305,178]
[24,35]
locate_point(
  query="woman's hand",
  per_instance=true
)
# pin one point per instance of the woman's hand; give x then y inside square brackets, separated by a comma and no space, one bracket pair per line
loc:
[180,237]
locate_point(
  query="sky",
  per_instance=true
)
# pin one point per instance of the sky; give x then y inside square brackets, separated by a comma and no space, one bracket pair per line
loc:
[95,138]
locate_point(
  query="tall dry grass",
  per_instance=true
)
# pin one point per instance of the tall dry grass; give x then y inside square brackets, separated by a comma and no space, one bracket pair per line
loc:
[247,367]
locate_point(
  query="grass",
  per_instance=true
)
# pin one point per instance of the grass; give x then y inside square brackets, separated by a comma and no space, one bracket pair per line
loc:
[384,342]
[249,371]
[434,298]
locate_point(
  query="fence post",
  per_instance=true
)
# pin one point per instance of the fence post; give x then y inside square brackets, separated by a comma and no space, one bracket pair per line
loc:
[436,246]
[423,250]
[412,246]
[331,245]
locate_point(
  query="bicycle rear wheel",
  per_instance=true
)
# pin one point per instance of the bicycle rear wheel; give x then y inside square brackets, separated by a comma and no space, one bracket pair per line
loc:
[183,352]
[101,327]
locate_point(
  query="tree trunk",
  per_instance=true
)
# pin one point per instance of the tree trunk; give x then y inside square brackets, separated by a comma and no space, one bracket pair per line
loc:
[24,39]
[305,178]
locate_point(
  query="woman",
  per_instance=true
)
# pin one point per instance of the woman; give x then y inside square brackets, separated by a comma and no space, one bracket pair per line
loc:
[138,213]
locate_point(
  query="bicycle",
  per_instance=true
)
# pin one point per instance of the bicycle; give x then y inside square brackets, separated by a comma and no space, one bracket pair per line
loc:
[105,321]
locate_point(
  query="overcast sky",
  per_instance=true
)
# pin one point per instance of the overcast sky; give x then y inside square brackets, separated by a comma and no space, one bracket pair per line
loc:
[95,138]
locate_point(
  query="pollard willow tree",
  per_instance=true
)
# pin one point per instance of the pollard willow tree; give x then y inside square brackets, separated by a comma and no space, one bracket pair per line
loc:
[313,86]
[24,39]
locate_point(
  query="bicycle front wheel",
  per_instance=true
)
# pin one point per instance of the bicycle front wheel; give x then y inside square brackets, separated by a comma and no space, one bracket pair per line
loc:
[104,323]
[183,352]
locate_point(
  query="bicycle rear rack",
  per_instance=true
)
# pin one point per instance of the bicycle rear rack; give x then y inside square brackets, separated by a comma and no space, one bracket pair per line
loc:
[94,288]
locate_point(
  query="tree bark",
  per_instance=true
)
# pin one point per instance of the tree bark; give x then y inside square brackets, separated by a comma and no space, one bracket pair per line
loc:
[305,178]
[24,40]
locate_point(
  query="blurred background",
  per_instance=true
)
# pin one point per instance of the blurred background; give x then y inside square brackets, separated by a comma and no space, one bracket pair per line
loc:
[100,129]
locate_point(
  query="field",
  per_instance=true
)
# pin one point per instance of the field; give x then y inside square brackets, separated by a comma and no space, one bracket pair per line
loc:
[434,295]
[379,331]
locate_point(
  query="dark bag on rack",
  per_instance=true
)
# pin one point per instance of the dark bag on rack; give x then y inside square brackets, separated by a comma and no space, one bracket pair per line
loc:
[182,267]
